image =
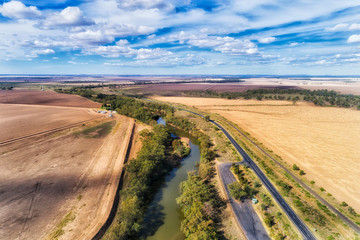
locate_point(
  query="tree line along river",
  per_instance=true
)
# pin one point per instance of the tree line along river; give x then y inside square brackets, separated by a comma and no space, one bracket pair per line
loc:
[163,217]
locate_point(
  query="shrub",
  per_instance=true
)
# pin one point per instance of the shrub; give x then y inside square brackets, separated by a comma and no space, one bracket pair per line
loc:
[344,204]
[295,167]
[352,211]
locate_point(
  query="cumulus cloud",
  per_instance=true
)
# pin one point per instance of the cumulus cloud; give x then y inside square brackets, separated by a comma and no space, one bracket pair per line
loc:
[228,45]
[354,26]
[345,27]
[35,53]
[339,27]
[146,53]
[267,39]
[69,17]
[16,9]
[354,38]
[125,30]
[122,48]
[92,37]
[44,51]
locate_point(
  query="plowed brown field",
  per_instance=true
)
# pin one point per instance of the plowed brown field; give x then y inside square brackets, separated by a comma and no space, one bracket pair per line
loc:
[323,141]
[60,184]
[45,98]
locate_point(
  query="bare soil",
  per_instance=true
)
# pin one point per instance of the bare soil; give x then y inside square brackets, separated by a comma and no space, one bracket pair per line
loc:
[48,98]
[59,185]
[322,141]
[19,120]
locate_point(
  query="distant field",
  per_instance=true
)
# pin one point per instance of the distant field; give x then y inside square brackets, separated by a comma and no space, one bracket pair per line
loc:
[45,98]
[172,89]
[323,141]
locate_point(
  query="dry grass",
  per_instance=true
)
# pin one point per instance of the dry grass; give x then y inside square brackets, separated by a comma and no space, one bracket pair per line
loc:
[324,142]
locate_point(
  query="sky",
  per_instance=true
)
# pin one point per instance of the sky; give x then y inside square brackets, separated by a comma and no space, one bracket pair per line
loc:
[163,37]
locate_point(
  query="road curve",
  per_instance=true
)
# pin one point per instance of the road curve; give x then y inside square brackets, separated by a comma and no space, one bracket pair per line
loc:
[281,201]
[306,233]
[244,213]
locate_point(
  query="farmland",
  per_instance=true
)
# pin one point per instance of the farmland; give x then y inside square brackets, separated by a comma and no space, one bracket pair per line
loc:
[62,183]
[324,142]
[47,98]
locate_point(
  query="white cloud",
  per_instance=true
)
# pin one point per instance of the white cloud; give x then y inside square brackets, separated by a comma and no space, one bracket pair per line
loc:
[145,4]
[122,48]
[69,17]
[145,53]
[164,61]
[339,27]
[35,53]
[321,62]
[92,37]
[354,26]
[73,62]
[354,38]
[44,51]
[16,9]
[228,45]
[125,30]
[345,27]
[267,39]
[294,44]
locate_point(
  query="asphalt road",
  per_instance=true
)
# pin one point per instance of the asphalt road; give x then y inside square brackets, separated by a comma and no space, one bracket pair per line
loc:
[306,233]
[321,199]
[244,212]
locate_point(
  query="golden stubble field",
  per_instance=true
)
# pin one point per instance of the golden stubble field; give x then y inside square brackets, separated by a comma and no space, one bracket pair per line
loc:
[323,141]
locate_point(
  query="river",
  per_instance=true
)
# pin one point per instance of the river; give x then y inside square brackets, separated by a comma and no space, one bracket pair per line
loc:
[163,217]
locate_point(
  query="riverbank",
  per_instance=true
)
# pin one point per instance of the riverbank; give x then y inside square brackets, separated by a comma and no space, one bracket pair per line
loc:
[163,217]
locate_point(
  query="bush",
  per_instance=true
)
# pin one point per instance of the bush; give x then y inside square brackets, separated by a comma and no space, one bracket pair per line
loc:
[344,204]
[257,184]
[302,172]
[352,211]
[295,167]
[269,220]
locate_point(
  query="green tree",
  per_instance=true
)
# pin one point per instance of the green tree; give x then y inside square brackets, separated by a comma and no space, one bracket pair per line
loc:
[295,167]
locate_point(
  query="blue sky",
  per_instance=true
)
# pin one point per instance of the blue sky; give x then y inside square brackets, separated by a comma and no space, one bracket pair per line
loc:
[180,37]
